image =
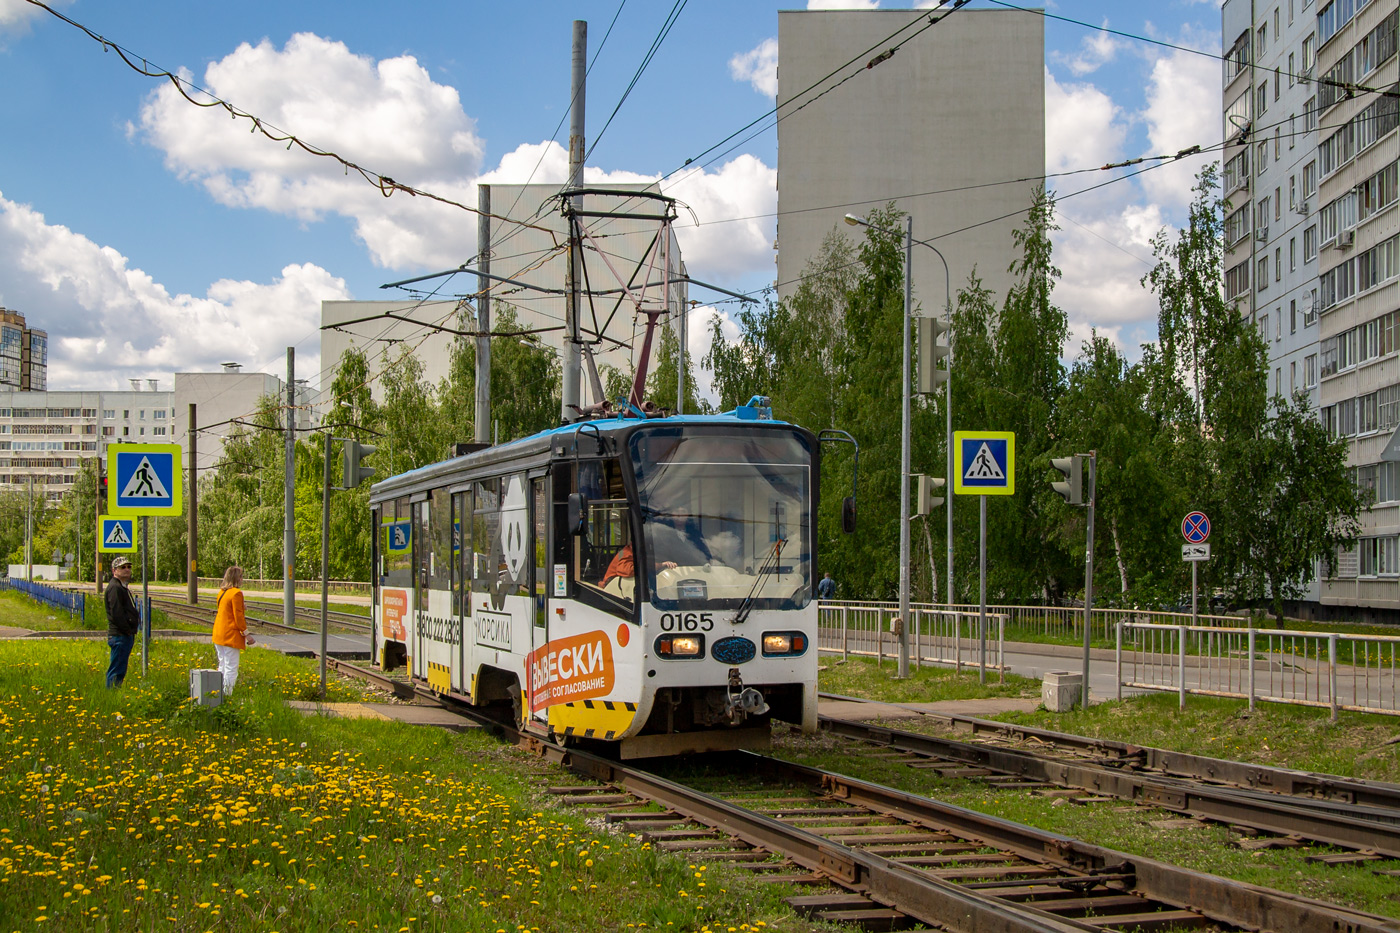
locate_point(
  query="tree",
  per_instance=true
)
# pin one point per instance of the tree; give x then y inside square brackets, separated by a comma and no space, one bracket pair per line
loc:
[525,380]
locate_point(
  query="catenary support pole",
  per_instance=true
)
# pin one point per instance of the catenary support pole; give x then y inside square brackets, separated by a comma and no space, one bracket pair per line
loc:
[570,393]
[192,538]
[325,558]
[289,510]
[1089,577]
[483,316]
[904,450]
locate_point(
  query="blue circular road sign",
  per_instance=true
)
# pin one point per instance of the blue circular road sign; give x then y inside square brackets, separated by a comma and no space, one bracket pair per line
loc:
[1195,527]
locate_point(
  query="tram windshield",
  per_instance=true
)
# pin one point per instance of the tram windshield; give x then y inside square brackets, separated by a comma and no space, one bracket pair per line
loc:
[726,517]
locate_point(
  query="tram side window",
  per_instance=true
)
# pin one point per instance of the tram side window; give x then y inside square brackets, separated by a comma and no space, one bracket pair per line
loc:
[486,522]
[396,544]
[422,549]
[440,556]
[543,577]
[461,553]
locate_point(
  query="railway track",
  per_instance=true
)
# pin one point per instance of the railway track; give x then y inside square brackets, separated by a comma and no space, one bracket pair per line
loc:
[884,859]
[256,615]
[1370,831]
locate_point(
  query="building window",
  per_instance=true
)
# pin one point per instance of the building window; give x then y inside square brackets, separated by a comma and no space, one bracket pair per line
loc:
[1293,316]
[158,431]
[1278,203]
[1309,114]
[1309,180]
[158,414]
[126,414]
[1293,254]
[1309,53]
[1264,327]
[142,415]
[1291,76]
[109,413]
[1261,158]
[1278,263]
[1310,371]
[1310,243]
[1292,378]
[1260,35]
[1263,274]
[1276,83]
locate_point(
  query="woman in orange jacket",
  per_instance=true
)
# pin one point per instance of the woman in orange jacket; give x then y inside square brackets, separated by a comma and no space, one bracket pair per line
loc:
[230,627]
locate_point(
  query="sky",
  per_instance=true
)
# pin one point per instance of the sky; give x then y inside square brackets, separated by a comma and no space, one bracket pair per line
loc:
[148,235]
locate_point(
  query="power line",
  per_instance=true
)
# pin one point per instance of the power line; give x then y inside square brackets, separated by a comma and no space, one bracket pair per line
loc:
[661,35]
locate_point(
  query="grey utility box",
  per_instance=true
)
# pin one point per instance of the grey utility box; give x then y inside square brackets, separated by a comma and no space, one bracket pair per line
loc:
[206,687]
[1060,690]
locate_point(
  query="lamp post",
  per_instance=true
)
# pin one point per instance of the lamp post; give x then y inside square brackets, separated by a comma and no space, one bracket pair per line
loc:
[904,434]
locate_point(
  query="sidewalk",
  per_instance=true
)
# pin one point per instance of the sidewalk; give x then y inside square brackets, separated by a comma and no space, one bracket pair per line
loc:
[990,706]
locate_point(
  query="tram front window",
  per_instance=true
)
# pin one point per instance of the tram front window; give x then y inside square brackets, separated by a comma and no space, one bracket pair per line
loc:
[726,518]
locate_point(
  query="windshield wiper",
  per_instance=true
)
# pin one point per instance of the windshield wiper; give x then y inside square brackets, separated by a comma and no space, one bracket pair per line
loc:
[742,615]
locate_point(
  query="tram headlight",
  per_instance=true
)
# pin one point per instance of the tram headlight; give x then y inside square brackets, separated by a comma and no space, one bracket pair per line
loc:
[680,646]
[784,644]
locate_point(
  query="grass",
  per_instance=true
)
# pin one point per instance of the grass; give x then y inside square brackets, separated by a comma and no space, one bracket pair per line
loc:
[864,678]
[135,810]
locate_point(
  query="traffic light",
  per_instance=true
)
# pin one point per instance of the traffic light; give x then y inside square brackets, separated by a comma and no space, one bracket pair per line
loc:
[356,473]
[1072,489]
[930,488]
[930,352]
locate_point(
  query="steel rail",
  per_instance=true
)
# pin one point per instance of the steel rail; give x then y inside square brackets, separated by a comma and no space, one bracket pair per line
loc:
[1236,806]
[1223,900]
[940,903]
[1284,782]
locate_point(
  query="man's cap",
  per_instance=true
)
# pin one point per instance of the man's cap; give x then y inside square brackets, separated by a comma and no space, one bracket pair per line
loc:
[120,562]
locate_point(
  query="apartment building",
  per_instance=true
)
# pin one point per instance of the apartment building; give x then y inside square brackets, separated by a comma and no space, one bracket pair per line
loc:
[1270,181]
[24,353]
[45,437]
[1358,235]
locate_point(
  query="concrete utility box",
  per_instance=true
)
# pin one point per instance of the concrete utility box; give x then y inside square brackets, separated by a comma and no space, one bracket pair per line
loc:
[1060,690]
[206,687]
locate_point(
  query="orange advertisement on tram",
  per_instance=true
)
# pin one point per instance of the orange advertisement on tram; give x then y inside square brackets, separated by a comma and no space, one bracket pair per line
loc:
[566,670]
[392,613]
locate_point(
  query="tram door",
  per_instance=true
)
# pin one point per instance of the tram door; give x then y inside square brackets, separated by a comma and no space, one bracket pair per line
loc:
[542,579]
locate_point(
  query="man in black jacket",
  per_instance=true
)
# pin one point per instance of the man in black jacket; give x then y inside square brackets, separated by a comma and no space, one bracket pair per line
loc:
[123,621]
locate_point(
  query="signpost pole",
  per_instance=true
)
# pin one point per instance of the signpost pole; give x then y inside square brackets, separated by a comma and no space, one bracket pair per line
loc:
[145,602]
[982,594]
[325,559]
[1194,565]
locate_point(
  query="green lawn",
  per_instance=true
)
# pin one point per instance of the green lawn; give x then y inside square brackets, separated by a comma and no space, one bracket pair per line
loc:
[133,810]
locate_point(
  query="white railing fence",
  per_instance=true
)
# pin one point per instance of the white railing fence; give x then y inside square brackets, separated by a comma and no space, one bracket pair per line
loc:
[1323,669]
[938,635]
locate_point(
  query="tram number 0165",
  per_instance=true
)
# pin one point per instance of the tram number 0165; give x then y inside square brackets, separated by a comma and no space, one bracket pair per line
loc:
[687,621]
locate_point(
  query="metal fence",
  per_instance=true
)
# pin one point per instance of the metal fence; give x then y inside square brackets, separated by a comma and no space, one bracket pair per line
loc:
[274,585]
[938,635]
[75,603]
[1323,669]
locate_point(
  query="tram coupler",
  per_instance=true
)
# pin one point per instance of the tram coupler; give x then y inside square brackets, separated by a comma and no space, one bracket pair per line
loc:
[743,701]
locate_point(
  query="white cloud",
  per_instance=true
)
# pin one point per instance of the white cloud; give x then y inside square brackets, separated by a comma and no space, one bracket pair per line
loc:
[387,116]
[109,321]
[1103,251]
[842,4]
[1083,126]
[723,251]
[1183,109]
[1095,50]
[698,330]
[758,66]
[16,15]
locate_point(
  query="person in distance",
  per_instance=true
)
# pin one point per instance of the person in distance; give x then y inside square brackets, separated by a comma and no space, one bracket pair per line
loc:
[230,627]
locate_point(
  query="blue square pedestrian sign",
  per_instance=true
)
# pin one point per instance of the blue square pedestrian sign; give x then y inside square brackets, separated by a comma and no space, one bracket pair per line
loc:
[984,463]
[144,479]
[398,537]
[116,534]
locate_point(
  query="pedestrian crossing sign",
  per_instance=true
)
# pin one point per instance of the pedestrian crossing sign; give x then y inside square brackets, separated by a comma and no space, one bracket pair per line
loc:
[116,534]
[145,479]
[984,463]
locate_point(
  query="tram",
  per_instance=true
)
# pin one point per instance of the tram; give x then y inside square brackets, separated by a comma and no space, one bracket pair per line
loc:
[644,581]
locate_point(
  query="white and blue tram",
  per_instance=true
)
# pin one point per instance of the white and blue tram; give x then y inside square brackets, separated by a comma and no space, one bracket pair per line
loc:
[643,581]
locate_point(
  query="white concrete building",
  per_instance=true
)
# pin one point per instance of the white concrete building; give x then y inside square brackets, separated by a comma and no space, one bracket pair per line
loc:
[46,436]
[1269,180]
[1358,222]
[531,255]
[939,128]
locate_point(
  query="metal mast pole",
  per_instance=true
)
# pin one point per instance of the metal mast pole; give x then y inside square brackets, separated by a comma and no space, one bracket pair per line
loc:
[289,510]
[570,393]
[1089,570]
[904,451]
[948,410]
[483,315]
[192,588]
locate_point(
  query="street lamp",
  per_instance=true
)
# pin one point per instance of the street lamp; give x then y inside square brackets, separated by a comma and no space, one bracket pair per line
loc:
[904,432]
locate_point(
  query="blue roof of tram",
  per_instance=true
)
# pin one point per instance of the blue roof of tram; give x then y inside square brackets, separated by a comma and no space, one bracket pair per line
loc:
[750,413]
